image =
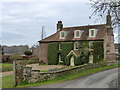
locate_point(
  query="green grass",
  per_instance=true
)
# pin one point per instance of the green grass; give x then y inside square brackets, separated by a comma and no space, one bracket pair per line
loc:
[8,80]
[70,76]
[6,67]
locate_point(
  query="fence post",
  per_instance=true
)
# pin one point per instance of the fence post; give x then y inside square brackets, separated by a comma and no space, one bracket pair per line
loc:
[14,73]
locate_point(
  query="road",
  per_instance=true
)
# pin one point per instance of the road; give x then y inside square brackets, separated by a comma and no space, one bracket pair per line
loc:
[104,79]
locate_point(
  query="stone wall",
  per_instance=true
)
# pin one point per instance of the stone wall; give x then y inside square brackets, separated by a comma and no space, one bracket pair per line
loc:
[32,76]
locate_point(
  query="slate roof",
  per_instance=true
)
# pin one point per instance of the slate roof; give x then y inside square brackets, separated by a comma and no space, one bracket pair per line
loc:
[70,35]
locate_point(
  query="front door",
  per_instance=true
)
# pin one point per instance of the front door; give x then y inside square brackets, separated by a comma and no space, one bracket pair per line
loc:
[72,61]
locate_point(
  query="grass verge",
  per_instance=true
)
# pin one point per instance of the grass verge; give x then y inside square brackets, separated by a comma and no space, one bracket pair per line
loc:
[7,81]
[70,76]
[6,67]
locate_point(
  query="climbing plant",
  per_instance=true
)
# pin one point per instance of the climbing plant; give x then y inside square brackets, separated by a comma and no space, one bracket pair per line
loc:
[98,51]
[52,53]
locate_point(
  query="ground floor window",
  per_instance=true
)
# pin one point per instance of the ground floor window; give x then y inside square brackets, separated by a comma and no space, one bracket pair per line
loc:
[60,58]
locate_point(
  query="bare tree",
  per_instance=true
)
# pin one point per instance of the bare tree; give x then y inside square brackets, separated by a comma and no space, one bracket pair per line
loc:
[103,6]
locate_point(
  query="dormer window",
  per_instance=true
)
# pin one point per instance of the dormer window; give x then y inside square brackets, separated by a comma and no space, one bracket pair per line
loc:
[77,33]
[92,32]
[63,34]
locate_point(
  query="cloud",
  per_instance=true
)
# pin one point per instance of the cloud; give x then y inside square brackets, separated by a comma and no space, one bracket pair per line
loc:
[26,19]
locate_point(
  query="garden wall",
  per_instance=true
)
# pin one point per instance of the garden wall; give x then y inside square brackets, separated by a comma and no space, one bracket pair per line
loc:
[26,74]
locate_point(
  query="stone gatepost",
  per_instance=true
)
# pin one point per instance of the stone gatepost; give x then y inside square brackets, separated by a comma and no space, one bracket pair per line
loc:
[18,71]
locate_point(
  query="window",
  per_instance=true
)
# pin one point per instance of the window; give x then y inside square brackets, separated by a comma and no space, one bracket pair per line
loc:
[60,58]
[92,32]
[90,45]
[76,45]
[63,34]
[78,33]
[60,46]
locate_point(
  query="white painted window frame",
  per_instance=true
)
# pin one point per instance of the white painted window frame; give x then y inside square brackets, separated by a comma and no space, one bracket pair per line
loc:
[90,32]
[60,58]
[75,34]
[65,33]
[75,45]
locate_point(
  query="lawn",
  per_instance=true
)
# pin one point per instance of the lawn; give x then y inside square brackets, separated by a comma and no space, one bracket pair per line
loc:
[6,67]
[10,84]
[7,81]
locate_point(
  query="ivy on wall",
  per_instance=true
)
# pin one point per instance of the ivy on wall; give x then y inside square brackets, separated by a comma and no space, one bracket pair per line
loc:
[66,48]
[98,51]
[52,54]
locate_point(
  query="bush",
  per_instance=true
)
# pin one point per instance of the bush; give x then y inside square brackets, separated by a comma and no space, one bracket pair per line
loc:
[28,53]
[32,60]
[16,57]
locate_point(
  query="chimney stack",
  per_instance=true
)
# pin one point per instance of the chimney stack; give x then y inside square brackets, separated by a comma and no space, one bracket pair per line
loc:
[59,26]
[108,19]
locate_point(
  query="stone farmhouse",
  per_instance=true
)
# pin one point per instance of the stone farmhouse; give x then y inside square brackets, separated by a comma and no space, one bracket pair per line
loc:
[78,45]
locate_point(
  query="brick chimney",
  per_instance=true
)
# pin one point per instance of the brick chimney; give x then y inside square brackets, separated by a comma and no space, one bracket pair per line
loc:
[108,19]
[59,26]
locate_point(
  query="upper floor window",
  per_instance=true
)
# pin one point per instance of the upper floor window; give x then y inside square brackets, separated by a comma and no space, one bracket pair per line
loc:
[90,45]
[77,33]
[92,32]
[60,46]
[63,34]
[76,45]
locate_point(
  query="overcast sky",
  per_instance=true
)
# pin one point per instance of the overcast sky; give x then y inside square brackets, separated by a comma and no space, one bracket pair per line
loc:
[21,22]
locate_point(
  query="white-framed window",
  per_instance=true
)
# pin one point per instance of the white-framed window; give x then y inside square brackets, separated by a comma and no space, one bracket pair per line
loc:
[76,45]
[60,46]
[63,34]
[78,33]
[92,32]
[60,58]
[90,44]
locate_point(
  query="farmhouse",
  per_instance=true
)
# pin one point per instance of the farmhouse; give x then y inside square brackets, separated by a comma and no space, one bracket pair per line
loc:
[79,45]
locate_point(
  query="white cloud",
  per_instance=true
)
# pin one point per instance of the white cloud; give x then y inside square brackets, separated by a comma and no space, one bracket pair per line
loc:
[44,0]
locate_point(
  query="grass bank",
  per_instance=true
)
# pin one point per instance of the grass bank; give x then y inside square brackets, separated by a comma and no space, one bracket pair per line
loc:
[8,80]
[4,67]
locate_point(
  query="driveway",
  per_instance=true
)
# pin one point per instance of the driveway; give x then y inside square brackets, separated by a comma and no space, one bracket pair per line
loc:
[44,67]
[104,79]
[5,73]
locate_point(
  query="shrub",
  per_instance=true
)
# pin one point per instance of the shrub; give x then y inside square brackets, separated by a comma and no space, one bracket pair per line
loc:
[16,57]
[28,53]
[32,60]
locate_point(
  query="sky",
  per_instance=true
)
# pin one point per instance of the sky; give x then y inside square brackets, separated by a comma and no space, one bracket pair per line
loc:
[21,21]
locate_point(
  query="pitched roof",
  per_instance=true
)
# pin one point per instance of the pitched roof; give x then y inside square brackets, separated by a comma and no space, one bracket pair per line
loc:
[75,52]
[70,35]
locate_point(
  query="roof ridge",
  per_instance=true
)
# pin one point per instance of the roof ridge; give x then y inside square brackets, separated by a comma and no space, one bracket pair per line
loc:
[84,26]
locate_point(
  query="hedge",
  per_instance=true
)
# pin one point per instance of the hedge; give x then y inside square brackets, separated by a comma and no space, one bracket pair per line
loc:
[98,51]
[53,53]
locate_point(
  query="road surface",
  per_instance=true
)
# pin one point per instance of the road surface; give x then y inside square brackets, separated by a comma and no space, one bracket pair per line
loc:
[104,79]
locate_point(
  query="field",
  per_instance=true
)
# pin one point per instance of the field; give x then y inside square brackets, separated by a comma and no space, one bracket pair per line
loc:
[6,67]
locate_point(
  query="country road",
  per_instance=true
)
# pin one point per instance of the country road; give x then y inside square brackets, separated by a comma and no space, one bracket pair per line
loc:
[104,79]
